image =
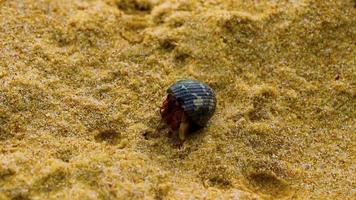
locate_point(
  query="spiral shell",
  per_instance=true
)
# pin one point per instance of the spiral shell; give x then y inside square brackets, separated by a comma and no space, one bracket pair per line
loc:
[197,99]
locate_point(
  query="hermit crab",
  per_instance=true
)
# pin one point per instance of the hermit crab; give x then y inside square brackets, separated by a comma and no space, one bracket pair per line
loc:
[189,106]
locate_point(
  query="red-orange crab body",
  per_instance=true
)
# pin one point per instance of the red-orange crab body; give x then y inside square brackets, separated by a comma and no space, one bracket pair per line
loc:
[189,104]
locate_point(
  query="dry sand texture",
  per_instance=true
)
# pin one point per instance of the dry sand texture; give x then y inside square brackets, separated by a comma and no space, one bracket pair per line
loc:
[81,83]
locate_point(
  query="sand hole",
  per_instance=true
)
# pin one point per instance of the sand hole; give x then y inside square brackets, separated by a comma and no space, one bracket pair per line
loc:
[268,183]
[135,6]
[108,136]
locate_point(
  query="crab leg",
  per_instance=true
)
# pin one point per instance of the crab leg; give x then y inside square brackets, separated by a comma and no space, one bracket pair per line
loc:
[183,128]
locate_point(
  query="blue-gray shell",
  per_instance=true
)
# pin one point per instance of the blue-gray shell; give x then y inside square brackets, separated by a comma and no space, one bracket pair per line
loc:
[198,99]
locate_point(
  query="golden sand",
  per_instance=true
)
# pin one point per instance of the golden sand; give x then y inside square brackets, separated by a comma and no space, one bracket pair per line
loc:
[81,83]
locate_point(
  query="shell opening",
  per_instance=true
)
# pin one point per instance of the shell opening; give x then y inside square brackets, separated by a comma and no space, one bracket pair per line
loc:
[172,112]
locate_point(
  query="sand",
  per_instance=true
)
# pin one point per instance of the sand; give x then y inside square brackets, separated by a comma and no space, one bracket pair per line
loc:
[81,84]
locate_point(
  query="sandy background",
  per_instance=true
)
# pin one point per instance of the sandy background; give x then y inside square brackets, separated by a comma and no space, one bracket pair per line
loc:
[81,83]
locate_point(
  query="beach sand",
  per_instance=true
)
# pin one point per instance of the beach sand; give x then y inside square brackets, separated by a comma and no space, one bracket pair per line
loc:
[82,82]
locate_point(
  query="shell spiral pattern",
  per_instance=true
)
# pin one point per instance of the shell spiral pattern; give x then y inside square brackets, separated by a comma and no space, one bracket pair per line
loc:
[197,99]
